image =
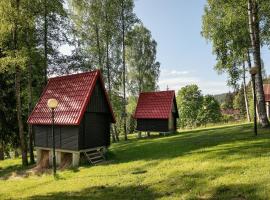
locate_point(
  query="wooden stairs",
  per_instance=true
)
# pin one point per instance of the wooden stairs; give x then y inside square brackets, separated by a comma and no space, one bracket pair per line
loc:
[95,156]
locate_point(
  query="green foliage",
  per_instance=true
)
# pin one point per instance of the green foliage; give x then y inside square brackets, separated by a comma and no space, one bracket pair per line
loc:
[225,24]
[228,103]
[53,30]
[220,97]
[132,103]
[228,118]
[239,102]
[190,102]
[210,111]
[101,28]
[19,49]
[143,69]
[195,109]
[236,29]
[8,125]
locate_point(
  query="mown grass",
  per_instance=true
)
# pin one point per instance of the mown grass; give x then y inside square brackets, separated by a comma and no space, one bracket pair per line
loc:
[212,163]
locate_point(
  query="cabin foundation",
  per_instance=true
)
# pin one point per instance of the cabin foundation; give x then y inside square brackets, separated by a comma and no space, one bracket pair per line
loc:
[75,159]
[60,156]
[65,158]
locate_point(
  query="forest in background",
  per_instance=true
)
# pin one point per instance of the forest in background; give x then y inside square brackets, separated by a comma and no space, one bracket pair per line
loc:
[107,35]
[103,34]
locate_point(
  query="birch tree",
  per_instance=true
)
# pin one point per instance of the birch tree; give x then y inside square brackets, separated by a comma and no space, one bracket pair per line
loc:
[227,25]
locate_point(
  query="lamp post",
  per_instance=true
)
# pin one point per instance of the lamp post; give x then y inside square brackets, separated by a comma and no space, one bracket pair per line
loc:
[52,104]
[253,71]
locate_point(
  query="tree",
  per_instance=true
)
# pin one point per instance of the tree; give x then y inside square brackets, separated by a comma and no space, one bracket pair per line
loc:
[230,37]
[13,23]
[97,27]
[18,54]
[128,19]
[239,102]
[190,102]
[8,121]
[210,110]
[52,26]
[228,103]
[254,31]
[143,69]
[244,86]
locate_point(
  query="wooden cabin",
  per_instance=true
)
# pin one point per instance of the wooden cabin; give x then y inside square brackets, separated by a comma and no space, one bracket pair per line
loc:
[157,112]
[82,118]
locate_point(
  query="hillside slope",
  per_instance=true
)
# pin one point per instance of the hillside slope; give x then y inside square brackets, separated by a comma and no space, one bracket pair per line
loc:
[214,163]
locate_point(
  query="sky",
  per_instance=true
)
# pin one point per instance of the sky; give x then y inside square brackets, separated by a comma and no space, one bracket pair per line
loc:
[185,56]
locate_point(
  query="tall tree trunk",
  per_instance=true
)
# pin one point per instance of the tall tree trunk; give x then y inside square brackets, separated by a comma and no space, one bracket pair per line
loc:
[140,80]
[116,133]
[124,68]
[98,47]
[30,102]
[255,41]
[249,67]
[45,40]
[139,92]
[108,72]
[16,152]
[2,150]
[18,91]
[19,115]
[245,92]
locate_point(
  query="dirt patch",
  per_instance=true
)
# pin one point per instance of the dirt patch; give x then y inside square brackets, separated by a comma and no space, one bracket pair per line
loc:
[66,160]
[43,165]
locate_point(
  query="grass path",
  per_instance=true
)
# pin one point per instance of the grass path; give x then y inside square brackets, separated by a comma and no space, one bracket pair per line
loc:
[212,163]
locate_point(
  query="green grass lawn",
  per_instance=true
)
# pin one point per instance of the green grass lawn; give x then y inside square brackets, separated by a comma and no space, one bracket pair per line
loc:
[212,163]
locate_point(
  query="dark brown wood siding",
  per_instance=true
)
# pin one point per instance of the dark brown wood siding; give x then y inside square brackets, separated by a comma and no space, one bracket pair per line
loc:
[66,137]
[155,125]
[95,130]
[98,102]
[95,126]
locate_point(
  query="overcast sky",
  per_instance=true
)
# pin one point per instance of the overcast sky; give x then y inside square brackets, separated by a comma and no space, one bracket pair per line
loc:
[184,54]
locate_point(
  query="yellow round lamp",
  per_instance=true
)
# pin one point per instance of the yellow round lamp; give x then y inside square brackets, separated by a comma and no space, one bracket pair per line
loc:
[253,70]
[52,103]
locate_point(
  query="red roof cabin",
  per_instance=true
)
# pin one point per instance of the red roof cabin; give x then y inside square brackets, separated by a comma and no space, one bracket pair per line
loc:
[156,112]
[82,118]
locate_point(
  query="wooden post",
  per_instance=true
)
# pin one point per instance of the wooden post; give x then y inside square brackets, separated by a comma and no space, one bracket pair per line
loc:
[75,159]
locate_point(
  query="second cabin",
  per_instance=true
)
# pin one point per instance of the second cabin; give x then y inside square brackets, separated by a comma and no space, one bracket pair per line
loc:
[157,112]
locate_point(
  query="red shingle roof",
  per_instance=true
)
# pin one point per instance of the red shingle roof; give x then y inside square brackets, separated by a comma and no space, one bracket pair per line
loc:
[73,93]
[155,105]
[266,89]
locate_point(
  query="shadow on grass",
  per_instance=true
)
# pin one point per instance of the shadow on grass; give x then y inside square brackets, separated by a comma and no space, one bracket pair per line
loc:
[14,170]
[189,184]
[236,192]
[103,192]
[198,185]
[189,142]
[7,170]
[17,171]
